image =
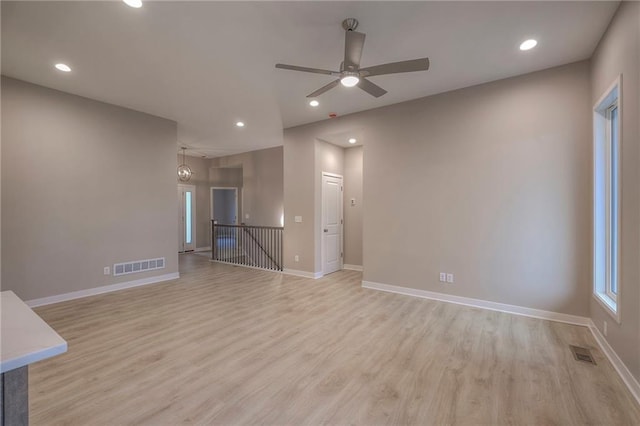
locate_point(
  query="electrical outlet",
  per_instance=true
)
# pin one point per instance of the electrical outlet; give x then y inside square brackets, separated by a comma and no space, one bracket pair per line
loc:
[296,258]
[107,270]
[443,277]
[605,329]
[449,278]
[246,215]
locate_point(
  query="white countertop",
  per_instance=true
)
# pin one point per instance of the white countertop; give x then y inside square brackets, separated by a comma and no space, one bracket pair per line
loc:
[24,337]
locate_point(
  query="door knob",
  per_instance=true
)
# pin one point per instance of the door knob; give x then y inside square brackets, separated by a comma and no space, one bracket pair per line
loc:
[326,230]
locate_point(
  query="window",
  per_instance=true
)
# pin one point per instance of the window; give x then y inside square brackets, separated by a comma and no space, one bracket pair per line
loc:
[606,199]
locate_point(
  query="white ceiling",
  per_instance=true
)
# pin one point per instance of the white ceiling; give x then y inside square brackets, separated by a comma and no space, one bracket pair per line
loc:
[208,64]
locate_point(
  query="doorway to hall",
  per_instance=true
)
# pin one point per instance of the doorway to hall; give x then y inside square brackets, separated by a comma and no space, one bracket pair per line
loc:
[224,205]
[224,211]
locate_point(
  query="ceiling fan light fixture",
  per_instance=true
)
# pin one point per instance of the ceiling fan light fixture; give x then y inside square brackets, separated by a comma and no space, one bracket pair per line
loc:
[350,79]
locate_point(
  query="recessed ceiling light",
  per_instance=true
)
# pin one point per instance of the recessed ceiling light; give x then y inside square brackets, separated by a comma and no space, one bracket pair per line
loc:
[350,80]
[240,124]
[352,140]
[528,44]
[63,67]
[314,103]
[133,3]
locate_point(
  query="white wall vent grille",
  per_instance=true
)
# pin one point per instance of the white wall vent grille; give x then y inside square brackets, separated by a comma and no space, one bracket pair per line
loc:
[138,266]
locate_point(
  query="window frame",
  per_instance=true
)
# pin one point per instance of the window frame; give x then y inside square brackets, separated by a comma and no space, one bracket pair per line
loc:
[606,199]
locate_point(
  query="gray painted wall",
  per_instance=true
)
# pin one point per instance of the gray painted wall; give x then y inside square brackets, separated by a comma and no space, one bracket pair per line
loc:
[490,183]
[299,198]
[262,184]
[84,185]
[618,53]
[353,214]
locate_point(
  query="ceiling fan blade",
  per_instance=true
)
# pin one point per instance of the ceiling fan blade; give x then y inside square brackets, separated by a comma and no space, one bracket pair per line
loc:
[353,44]
[396,67]
[305,69]
[323,89]
[371,88]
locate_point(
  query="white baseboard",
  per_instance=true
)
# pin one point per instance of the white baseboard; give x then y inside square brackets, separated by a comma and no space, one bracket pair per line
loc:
[620,367]
[100,290]
[478,303]
[244,266]
[352,267]
[202,249]
[305,274]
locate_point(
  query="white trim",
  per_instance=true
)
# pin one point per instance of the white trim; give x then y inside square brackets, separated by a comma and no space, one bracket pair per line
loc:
[334,175]
[294,272]
[620,367]
[322,220]
[100,290]
[601,262]
[478,303]
[305,274]
[202,249]
[632,383]
[352,267]
[608,305]
[244,266]
[607,93]
[189,188]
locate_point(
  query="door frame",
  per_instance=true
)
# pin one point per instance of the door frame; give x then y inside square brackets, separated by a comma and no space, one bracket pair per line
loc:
[235,189]
[322,219]
[182,243]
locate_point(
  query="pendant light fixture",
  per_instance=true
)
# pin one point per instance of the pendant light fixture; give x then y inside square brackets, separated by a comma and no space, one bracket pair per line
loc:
[184,171]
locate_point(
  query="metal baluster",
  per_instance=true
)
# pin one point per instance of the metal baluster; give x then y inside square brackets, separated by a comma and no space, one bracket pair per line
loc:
[280,251]
[213,241]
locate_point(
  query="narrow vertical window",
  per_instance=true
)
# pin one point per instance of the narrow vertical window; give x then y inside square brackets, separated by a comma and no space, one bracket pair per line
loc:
[606,199]
[187,217]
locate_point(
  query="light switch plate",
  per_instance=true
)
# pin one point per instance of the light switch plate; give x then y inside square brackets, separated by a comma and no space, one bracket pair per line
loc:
[449,278]
[298,219]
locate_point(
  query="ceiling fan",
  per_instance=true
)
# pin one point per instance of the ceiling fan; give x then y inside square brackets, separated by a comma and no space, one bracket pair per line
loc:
[350,73]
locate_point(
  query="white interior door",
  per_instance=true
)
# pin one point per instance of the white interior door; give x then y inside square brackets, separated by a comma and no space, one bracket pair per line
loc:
[186,218]
[331,223]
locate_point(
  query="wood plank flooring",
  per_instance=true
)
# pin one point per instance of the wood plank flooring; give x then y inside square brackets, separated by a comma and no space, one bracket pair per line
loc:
[229,346]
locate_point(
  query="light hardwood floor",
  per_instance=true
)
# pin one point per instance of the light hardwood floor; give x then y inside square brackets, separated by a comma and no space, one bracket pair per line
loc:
[228,345]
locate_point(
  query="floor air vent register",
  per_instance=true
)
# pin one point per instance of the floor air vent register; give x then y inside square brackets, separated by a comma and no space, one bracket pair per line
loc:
[582,354]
